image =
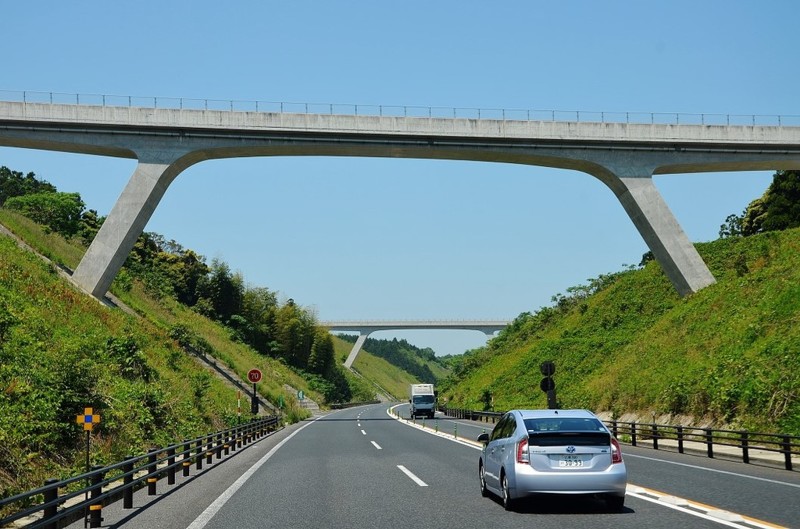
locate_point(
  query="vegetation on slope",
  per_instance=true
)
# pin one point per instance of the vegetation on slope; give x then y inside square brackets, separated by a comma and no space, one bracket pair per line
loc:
[388,378]
[421,363]
[61,351]
[169,273]
[627,343]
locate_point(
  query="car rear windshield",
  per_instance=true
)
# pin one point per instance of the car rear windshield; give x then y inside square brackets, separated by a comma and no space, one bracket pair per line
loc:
[556,431]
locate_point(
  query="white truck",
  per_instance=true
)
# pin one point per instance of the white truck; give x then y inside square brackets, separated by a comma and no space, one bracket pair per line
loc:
[423,400]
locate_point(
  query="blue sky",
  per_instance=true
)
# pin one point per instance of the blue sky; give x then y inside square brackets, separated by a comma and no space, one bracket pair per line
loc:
[410,239]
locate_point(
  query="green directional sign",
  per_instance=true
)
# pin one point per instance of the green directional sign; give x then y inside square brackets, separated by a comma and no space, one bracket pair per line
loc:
[280,401]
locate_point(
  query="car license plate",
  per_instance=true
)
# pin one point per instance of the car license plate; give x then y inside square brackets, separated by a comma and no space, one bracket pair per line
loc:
[570,461]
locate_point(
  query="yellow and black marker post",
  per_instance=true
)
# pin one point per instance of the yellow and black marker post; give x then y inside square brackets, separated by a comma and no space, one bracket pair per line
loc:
[88,419]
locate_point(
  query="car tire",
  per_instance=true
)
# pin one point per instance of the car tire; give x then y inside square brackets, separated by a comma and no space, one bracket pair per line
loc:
[482,478]
[508,502]
[615,503]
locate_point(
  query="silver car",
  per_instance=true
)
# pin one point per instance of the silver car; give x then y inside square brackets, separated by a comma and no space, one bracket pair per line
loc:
[552,452]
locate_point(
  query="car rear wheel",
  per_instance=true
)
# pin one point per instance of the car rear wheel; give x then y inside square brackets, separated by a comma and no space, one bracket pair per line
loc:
[615,503]
[482,477]
[508,502]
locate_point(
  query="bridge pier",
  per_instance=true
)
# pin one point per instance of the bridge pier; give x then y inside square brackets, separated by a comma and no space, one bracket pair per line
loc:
[362,337]
[126,221]
[633,185]
[671,247]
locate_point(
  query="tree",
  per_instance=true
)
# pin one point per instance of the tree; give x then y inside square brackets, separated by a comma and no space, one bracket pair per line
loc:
[732,227]
[322,357]
[295,330]
[60,212]
[777,209]
[223,289]
[259,307]
[90,225]
[186,270]
[753,216]
[15,184]
[782,202]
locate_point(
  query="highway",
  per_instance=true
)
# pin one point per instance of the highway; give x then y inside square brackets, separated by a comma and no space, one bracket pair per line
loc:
[362,467]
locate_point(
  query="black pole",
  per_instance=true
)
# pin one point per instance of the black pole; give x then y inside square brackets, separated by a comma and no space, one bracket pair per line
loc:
[127,481]
[152,476]
[187,457]
[552,402]
[254,401]
[95,510]
[171,465]
[86,498]
[51,495]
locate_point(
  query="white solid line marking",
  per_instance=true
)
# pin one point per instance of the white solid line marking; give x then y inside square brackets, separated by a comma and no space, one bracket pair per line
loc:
[699,510]
[697,467]
[642,493]
[363,432]
[376,445]
[411,475]
[201,521]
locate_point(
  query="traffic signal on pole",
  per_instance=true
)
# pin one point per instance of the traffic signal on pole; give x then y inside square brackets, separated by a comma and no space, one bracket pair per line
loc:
[548,385]
[548,369]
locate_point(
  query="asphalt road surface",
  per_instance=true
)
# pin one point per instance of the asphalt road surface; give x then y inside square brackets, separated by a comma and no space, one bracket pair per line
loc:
[363,468]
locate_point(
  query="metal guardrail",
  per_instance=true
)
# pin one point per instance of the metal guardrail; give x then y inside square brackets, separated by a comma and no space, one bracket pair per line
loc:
[343,405]
[408,111]
[472,415]
[785,445]
[133,472]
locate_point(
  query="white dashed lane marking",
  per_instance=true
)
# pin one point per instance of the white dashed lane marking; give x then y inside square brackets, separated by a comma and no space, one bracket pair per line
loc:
[411,475]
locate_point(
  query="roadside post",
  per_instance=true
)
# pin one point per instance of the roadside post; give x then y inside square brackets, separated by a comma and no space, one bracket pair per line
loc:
[254,376]
[88,419]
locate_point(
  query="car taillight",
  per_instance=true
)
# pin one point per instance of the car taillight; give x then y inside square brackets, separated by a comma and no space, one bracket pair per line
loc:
[522,452]
[616,453]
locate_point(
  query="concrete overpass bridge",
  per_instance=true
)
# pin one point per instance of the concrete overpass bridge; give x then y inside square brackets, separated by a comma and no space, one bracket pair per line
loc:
[622,150]
[365,328]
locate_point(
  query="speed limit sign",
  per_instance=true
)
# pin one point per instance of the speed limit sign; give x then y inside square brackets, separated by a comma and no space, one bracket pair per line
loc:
[254,376]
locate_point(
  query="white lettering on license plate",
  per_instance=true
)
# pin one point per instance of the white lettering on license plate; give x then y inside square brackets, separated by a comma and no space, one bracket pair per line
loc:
[570,461]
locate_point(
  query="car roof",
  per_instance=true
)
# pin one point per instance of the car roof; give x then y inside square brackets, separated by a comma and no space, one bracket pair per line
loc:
[546,414]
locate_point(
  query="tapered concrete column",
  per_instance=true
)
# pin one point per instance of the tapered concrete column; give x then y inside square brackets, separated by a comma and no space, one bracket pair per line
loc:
[127,220]
[356,348]
[666,239]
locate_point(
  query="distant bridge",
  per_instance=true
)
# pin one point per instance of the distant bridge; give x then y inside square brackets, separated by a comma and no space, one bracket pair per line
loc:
[366,327]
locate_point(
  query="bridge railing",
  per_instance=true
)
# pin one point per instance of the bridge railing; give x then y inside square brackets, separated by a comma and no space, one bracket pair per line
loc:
[106,484]
[406,111]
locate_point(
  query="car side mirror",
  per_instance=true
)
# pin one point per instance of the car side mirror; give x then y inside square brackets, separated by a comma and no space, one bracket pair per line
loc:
[483,438]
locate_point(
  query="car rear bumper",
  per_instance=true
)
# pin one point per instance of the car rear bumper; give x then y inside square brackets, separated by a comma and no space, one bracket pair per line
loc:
[527,481]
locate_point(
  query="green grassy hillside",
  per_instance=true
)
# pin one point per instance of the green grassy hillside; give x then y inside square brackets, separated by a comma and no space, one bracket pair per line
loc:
[61,350]
[627,343]
[390,378]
